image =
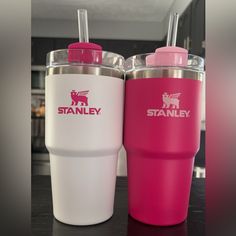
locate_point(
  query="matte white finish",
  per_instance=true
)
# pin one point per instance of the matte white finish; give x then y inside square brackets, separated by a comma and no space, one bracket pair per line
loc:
[83,148]
[83,188]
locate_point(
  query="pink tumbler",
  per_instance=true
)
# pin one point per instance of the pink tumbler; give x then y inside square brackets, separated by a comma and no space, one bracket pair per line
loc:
[162,130]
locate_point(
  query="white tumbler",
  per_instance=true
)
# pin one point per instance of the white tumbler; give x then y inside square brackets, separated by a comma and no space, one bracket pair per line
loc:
[84,121]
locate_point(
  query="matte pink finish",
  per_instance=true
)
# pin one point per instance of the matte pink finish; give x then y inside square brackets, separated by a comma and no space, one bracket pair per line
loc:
[89,53]
[168,56]
[160,150]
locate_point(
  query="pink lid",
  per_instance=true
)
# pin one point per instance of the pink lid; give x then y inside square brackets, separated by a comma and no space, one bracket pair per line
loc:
[84,52]
[168,56]
[83,45]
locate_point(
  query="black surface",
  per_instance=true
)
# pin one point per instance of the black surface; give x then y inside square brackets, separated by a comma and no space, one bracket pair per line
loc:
[198,27]
[39,49]
[192,25]
[200,157]
[43,222]
[126,48]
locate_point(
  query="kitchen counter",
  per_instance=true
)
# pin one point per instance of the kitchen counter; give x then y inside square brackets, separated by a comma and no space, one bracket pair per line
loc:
[43,222]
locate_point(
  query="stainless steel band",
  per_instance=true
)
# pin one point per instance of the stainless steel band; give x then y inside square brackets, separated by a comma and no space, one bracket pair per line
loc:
[165,73]
[136,74]
[85,69]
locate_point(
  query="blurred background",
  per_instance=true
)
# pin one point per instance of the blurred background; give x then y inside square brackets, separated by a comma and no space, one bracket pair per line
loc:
[124,27]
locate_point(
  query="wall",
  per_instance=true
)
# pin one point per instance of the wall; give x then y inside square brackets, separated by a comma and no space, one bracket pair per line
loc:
[130,30]
[99,29]
[178,6]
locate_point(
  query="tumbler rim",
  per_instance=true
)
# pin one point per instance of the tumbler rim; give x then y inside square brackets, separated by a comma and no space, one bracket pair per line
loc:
[109,59]
[137,62]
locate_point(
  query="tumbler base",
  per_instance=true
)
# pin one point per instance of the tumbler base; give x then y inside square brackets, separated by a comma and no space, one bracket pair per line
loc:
[100,221]
[159,188]
[83,188]
[156,223]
